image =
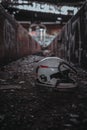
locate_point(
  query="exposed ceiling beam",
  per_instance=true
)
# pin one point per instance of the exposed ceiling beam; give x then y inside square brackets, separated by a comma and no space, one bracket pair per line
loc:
[73,2]
[54,2]
[23,15]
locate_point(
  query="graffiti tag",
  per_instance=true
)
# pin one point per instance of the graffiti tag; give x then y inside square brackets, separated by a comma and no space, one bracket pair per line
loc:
[9,35]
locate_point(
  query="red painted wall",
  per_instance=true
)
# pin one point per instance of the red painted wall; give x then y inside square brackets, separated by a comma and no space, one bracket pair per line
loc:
[15,41]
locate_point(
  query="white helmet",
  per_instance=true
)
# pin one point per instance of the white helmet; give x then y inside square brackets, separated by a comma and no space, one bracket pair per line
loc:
[51,71]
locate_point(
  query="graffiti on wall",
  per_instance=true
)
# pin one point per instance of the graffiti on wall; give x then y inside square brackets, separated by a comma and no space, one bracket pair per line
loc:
[75,41]
[72,40]
[15,41]
[9,35]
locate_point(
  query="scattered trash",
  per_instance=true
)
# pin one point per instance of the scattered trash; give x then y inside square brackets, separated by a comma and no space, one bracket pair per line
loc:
[23,103]
[21,82]
[10,87]
[59,73]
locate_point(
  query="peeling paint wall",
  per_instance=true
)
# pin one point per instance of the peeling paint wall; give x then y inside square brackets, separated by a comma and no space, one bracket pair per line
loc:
[15,41]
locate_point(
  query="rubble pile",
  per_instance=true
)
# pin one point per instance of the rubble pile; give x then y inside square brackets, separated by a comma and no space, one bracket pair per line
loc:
[18,71]
[24,106]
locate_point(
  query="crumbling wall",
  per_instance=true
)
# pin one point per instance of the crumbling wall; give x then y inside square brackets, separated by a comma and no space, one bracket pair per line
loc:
[15,41]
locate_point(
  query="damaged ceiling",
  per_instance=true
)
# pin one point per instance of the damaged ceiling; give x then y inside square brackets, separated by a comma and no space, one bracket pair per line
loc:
[74,2]
[37,10]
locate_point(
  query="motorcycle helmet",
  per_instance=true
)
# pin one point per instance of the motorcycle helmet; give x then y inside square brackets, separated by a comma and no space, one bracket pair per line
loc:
[51,71]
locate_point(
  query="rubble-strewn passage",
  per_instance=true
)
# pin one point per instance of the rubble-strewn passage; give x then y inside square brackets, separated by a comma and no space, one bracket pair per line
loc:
[25,106]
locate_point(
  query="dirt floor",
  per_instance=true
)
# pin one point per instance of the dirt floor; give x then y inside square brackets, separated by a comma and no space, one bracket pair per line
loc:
[24,106]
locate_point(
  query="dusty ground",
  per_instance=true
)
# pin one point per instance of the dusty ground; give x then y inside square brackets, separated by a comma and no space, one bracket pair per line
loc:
[24,106]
